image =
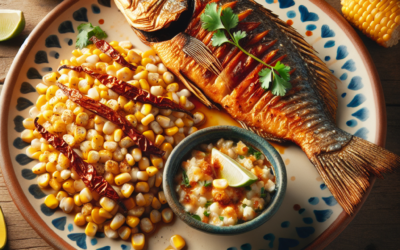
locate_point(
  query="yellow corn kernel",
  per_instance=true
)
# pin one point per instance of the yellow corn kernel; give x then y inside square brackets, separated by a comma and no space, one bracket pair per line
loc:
[51,166]
[107,204]
[161,197]
[88,218]
[68,186]
[91,229]
[85,195]
[145,61]
[105,214]
[147,120]
[57,176]
[41,101]
[127,189]
[146,108]
[157,161]
[149,134]
[124,232]
[41,89]
[51,92]
[220,183]
[132,221]
[43,180]
[115,210]
[159,140]
[151,171]
[28,123]
[138,241]
[63,161]
[155,203]
[77,200]
[60,127]
[67,205]
[97,142]
[27,135]
[144,84]
[148,53]
[124,74]
[177,242]
[122,178]
[79,134]
[158,179]
[129,107]
[54,184]
[76,53]
[173,87]
[142,187]
[117,221]
[109,177]
[61,195]
[171,131]
[167,147]
[44,157]
[96,216]
[79,220]
[51,201]
[148,198]
[105,58]
[105,155]
[139,116]
[118,135]
[129,203]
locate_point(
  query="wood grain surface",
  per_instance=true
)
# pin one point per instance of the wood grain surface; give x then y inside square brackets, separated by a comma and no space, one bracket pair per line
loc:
[377,225]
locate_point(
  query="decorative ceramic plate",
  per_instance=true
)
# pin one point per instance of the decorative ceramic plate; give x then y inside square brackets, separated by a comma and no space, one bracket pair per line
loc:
[309,215]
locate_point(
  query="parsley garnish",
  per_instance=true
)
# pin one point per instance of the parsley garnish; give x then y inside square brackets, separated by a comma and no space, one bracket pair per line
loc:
[207,184]
[221,218]
[208,203]
[263,193]
[212,20]
[244,205]
[206,213]
[86,31]
[254,152]
[241,156]
[248,188]
[185,180]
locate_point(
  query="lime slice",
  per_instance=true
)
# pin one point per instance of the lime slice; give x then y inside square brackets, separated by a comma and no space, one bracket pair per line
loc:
[12,22]
[232,171]
[3,231]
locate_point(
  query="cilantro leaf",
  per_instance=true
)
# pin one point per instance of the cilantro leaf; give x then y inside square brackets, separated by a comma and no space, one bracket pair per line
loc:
[283,70]
[279,86]
[266,78]
[239,35]
[229,19]
[248,188]
[211,18]
[206,213]
[208,203]
[241,157]
[263,194]
[86,31]
[221,218]
[207,184]
[254,152]
[195,216]
[185,180]
[244,205]
[219,38]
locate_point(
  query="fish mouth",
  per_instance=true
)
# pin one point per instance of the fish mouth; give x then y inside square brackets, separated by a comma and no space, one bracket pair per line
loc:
[162,31]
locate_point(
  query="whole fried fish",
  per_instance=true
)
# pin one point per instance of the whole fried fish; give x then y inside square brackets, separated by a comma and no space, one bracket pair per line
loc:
[225,77]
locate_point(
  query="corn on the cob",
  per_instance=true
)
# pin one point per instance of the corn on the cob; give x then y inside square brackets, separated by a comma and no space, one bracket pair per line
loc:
[378,19]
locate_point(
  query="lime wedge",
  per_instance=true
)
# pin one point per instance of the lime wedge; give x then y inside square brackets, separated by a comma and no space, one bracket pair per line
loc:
[232,171]
[12,22]
[3,231]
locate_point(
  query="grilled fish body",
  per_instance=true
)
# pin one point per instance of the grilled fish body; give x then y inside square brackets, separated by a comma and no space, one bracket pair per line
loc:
[305,115]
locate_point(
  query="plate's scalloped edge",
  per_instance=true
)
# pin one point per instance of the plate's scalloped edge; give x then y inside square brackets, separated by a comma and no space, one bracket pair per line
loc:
[57,242]
[10,178]
[344,219]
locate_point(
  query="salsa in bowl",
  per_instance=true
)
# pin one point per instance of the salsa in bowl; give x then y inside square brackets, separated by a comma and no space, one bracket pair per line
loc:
[224,180]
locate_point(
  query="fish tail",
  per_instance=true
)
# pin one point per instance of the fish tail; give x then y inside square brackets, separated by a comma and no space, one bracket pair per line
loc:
[347,172]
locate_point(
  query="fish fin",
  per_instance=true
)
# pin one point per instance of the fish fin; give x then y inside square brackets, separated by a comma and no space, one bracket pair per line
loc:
[196,91]
[347,172]
[202,55]
[261,133]
[323,79]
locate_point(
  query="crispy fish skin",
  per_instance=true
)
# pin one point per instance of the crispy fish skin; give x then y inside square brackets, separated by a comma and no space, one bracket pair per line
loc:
[305,115]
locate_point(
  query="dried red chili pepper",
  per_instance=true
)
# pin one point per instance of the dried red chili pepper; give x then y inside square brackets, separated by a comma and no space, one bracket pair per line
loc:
[107,49]
[86,171]
[98,108]
[129,91]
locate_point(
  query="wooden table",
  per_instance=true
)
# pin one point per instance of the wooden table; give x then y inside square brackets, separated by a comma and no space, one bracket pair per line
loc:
[377,225]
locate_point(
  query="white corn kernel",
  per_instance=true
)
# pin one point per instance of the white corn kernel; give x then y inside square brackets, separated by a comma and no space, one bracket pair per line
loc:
[168,77]
[151,68]
[137,154]
[67,204]
[117,221]
[65,174]
[109,128]
[107,204]
[167,215]
[146,225]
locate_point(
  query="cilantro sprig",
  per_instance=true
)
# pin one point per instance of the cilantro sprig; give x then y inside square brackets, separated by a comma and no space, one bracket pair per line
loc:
[222,21]
[254,152]
[185,180]
[86,31]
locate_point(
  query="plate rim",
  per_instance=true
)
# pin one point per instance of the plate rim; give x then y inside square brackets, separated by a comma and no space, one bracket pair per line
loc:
[50,236]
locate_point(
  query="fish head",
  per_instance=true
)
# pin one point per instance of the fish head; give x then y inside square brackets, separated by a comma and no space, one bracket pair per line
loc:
[157,20]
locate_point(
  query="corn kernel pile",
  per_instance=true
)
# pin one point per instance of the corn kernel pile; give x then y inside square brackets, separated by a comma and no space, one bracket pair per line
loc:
[136,179]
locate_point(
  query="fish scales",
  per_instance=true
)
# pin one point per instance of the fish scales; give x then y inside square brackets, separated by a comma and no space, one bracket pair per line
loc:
[227,77]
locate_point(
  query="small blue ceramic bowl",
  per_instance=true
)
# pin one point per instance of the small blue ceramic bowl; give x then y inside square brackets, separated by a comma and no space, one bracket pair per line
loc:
[213,134]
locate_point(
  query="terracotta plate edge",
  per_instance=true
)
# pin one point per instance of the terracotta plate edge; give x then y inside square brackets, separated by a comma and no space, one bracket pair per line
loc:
[53,239]
[15,190]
